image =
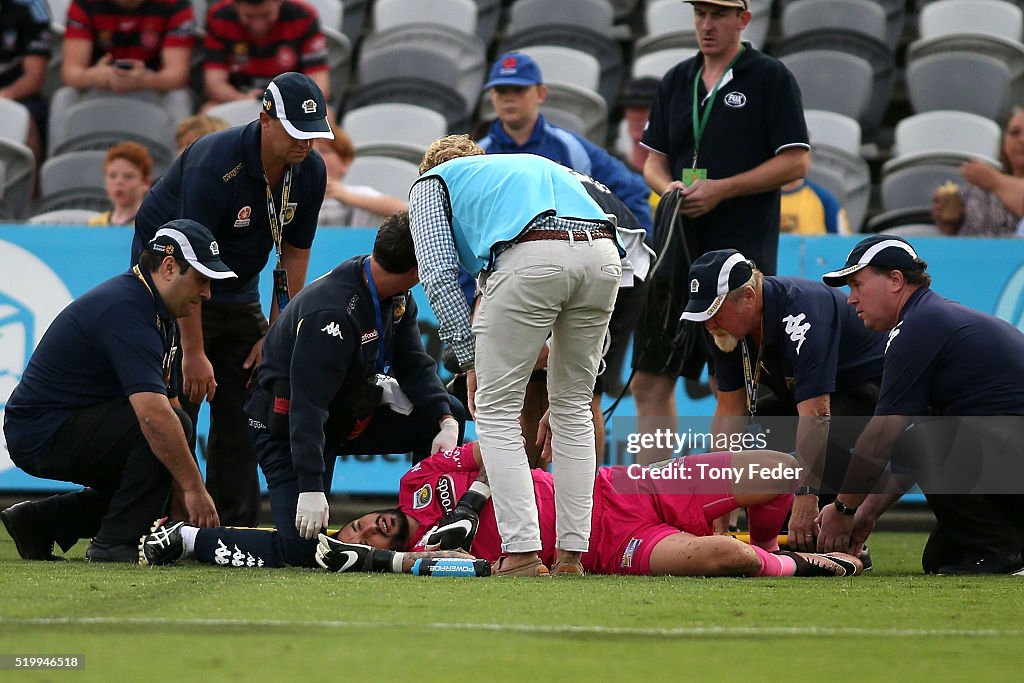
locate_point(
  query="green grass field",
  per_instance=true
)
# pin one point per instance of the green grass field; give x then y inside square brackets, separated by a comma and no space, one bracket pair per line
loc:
[192,622]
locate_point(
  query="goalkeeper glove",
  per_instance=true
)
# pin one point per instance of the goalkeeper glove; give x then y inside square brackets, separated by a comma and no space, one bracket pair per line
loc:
[337,556]
[458,528]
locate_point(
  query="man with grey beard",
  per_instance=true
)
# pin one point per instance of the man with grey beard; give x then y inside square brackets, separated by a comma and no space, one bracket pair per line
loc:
[798,338]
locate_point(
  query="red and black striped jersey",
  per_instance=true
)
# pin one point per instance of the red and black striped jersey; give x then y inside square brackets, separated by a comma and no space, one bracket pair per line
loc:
[139,33]
[294,43]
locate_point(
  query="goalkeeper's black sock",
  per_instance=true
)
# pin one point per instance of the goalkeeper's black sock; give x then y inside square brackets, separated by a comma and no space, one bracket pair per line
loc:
[238,548]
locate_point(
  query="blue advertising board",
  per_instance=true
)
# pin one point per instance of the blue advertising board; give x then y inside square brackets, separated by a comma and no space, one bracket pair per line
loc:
[43,268]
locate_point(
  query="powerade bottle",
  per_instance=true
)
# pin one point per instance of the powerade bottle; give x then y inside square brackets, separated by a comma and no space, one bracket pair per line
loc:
[451,567]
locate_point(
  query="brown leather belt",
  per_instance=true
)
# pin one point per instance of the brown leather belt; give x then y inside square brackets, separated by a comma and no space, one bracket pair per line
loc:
[563,235]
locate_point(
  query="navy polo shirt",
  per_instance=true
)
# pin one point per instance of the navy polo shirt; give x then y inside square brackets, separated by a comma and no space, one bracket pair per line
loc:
[814,343]
[326,343]
[115,340]
[952,359]
[218,181]
[756,114]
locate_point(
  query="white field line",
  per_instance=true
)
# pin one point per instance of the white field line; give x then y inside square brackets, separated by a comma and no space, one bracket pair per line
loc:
[684,631]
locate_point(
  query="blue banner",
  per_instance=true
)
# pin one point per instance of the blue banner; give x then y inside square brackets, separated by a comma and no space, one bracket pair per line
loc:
[45,267]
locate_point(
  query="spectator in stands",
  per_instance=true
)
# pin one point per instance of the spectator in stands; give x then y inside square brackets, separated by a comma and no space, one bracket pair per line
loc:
[810,209]
[350,205]
[636,108]
[992,201]
[127,179]
[127,47]
[517,91]
[191,128]
[24,52]
[249,42]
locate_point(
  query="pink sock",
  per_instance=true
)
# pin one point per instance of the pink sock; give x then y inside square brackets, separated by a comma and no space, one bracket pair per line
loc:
[765,521]
[774,565]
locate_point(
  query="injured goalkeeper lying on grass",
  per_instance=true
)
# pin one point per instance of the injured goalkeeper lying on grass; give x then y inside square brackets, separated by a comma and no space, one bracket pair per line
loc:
[640,525]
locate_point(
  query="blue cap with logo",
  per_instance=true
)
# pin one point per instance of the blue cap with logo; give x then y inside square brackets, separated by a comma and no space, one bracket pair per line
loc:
[186,240]
[514,68]
[884,251]
[297,102]
[712,277]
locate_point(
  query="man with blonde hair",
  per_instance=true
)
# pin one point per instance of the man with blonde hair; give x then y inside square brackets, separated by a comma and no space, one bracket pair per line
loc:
[548,262]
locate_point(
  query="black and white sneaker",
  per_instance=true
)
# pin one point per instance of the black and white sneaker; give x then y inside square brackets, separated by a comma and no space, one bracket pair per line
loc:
[163,544]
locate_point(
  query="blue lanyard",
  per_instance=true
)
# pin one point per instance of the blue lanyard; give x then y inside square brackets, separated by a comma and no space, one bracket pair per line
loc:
[383,361]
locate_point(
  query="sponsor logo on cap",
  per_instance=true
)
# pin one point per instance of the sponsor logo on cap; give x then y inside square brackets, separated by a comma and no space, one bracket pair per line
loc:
[215,248]
[694,286]
[309,107]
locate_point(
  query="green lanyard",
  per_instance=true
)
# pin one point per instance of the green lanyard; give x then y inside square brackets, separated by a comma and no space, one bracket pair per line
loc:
[700,123]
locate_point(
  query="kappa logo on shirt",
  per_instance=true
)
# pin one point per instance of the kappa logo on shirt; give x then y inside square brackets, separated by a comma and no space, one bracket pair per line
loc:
[797,332]
[893,333]
[422,497]
[736,100]
[333,330]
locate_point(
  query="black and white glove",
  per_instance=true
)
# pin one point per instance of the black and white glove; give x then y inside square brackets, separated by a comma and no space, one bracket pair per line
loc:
[337,556]
[457,529]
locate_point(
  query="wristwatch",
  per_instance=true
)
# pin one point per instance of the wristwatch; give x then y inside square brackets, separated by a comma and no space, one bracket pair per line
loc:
[844,510]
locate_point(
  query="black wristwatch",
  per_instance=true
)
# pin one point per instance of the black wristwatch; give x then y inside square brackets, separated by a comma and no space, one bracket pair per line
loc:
[844,510]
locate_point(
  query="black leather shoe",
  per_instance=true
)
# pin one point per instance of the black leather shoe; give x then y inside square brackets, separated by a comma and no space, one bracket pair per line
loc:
[26,529]
[112,552]
[984,565]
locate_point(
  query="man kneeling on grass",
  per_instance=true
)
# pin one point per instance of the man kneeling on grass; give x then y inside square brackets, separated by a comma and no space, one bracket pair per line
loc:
[643,524]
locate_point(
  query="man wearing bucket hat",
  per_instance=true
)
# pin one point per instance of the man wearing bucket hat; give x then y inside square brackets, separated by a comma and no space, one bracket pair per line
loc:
[950,372]
[798,338]
[94,406]
[258,189]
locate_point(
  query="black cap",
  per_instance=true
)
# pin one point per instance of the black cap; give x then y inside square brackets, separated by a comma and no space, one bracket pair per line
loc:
[712,277]
[189,241]
[884,251]
[639,92]
[297,102]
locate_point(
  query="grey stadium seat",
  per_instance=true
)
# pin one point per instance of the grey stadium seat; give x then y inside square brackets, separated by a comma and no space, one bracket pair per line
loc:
[402,131]
[863,16]
[595,15]
[836,130]
[19,170]
[339,63]
[991,17]
[97,124]
[237,113]
[944,138]
[456,14]
[566,65]
[819,71]
[332,13]
[962,81]
[15,119]
[63,217]
[384,174]
[72,170]
[915,185]
[856,179]
[656,64]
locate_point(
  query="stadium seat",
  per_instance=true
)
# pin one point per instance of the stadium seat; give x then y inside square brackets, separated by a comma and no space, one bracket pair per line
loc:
[855,176]
[83,198]
[72,170]
[818,71]
[382,62]
[915,186]
[59,12]
[856,15]
[914,230]
[669,24]
[466,50]
[97,124]
[989,17]
[339,64]
[874,50]
[656,64]
[440,98]
[608,52]
[401,131]
[835,130]
[384,174]
[488,14]
[565,65]
[623,8]
[332,13]
[757,30]
[944,138]
[456,14]
[237,113]
[962,81]
[15,119]
[594,15]
[63,217]
[200,8]
[353,19]
[19,170]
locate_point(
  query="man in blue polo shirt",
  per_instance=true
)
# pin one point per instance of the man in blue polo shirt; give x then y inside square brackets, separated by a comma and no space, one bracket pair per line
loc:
[800,339]
[517,90]
[258,189]
[94,406]
[946,366]
[727,130]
